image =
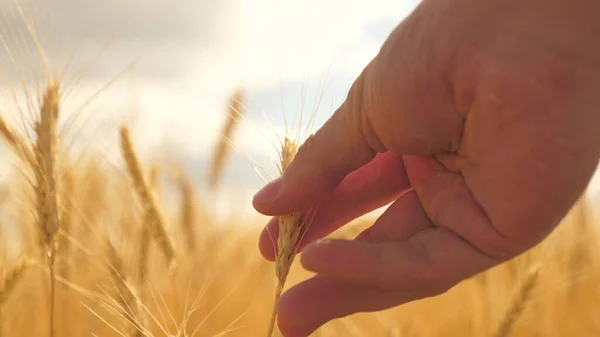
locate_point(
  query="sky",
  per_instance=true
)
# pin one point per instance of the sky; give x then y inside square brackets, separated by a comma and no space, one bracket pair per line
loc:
[172,65]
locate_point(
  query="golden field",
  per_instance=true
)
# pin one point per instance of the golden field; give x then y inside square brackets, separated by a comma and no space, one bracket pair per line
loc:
[90,250]
[220,285]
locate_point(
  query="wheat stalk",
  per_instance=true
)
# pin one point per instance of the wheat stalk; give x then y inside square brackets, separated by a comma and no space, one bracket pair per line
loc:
[289,235]
[153,216]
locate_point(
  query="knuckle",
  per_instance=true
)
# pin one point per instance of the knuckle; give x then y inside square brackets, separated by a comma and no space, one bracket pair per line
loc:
[388,278]
[438,202]
[313,160]
[531,78]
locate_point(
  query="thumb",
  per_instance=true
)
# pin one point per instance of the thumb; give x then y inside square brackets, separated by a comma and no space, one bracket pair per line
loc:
[400,103]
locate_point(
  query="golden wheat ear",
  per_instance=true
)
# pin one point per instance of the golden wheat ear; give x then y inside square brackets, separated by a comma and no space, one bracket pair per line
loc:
[46,182]
[11,277]
[8,282]
[154,218]
[222,149]
[289,235]
[291,226]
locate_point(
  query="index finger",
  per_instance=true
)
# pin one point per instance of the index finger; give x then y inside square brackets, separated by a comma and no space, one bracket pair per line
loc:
[366,189]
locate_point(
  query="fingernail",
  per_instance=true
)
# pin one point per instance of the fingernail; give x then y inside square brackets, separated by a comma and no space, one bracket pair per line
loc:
[269,192]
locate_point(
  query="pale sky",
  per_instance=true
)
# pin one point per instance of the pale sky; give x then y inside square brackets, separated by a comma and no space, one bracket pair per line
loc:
[192,55]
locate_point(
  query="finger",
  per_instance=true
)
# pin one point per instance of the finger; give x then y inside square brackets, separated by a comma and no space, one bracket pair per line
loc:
[449,204]
[404,218]
[370,187]
[389,107]
[433,258]
[323,160]
[304,308]
[307,306]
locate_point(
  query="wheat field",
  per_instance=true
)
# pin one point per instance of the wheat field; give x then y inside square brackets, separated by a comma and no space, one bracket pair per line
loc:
[89,249]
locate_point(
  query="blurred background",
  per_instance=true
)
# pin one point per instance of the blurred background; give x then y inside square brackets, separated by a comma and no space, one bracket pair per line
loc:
[169,69]
[173,65]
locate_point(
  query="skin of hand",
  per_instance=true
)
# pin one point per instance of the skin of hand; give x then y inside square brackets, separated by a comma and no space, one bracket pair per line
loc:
[478,121]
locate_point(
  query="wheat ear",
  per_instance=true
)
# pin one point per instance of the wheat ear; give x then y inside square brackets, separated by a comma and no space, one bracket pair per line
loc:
[16,142]
[9,281]
[222,149]
[46,186]
[153,215]
[145,236]
[289,235]
[11,278]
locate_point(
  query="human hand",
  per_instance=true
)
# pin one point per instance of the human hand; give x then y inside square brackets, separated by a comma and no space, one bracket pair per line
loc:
[479,120]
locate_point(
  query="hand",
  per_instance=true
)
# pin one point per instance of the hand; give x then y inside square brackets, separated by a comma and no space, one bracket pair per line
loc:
[479,120]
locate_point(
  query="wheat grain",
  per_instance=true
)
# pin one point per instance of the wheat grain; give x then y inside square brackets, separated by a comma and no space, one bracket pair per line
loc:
[16,142]
[144,241]
[145,236]
[11,138]
[188,211]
